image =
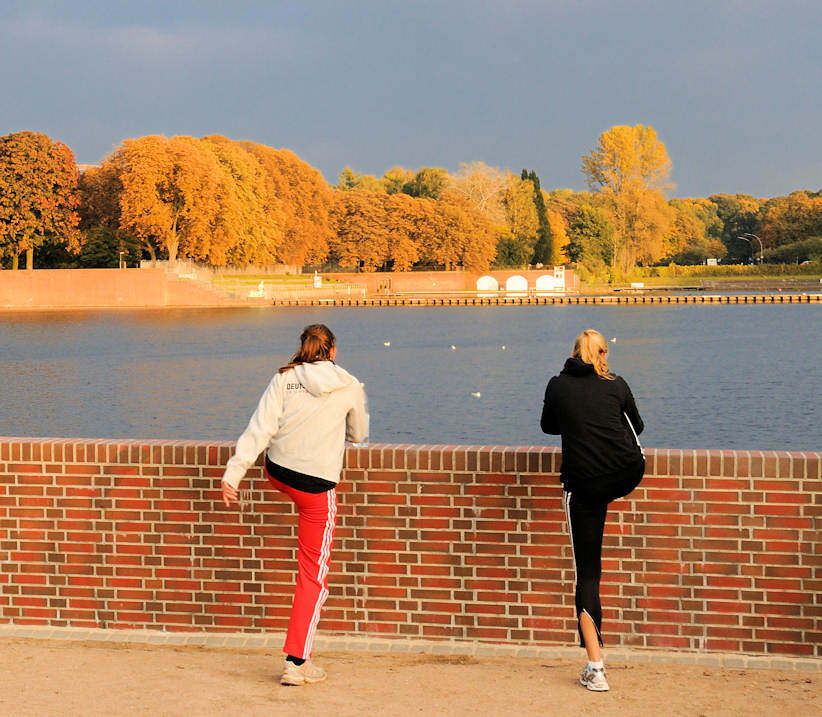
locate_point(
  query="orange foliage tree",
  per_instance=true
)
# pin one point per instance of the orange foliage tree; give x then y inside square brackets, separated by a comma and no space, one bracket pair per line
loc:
[467,237]
[360,229]
[170,195]
[305,201]
[106,244]
[407,219]
[785,220]
[99,189]
[38,195]
[247,226]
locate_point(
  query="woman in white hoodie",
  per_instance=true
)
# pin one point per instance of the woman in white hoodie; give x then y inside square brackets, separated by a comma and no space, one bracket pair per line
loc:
[310,408]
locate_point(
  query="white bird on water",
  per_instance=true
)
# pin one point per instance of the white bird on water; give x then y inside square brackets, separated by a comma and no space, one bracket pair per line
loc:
[613,340]
[386,343]
[476,394]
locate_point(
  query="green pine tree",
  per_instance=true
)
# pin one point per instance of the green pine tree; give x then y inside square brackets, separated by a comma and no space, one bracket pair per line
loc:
[544,247]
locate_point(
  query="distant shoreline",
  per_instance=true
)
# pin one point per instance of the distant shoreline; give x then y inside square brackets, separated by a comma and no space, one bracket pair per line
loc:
[154,288]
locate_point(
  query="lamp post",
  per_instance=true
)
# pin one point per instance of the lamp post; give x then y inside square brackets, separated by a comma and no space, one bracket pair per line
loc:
[753,259]
[122,263]
[761,248]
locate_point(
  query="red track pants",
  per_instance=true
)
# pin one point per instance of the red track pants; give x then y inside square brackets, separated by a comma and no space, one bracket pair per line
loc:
[315,531]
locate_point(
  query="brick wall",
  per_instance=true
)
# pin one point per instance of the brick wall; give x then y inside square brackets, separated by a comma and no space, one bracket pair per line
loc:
[715,551]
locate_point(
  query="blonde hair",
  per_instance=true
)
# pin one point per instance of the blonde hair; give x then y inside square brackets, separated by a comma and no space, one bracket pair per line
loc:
[590,347]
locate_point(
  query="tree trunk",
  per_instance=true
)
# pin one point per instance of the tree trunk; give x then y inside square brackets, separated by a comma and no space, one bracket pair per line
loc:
[15,262]
[172,253]
[151,253]
[30,259]
[173,243]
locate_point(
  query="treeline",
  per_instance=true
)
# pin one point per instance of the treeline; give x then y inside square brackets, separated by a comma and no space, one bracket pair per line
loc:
[224,202]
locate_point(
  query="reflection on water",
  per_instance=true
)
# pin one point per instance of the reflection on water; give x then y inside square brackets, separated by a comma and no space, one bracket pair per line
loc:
[709,376]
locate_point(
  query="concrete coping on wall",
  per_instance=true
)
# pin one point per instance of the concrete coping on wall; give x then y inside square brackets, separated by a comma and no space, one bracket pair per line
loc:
[381,645]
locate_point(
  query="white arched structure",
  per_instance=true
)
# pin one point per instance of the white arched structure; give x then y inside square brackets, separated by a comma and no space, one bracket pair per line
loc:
[547,282]
[516,285]
[487,285]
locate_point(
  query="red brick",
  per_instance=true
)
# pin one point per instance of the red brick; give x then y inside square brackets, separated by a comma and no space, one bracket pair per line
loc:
[438,552]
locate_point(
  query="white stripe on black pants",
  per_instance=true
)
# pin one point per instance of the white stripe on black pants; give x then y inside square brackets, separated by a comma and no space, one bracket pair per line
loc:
[586,524]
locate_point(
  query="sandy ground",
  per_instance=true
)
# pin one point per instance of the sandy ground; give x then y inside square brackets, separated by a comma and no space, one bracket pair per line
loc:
[69,678]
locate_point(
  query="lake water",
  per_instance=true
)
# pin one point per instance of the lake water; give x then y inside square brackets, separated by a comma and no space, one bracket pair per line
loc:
[712,376]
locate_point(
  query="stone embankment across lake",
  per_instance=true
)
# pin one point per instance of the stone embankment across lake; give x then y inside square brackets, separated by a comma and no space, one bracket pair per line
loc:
[144,288]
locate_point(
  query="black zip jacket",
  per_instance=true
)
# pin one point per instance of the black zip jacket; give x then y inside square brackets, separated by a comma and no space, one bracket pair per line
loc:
[589,411]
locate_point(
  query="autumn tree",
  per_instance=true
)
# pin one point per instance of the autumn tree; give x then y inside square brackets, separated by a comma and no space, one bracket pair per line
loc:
[247,226]
[695,232]
[99,191]
[515,246]
[466,239]
[360,229]
[305,201]
[395,179]
[349,179]
[558,228]
[795,218]
[170,193]
[484,187]
[38,195]
[740,215]
[630,168]
[428,182]
[99,209]
[406,219]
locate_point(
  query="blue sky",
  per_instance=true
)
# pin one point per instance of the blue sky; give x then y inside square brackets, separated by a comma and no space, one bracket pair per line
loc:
[731,86]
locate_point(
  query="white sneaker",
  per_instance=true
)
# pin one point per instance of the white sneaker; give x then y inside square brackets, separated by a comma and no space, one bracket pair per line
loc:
[307,673]
[594,679]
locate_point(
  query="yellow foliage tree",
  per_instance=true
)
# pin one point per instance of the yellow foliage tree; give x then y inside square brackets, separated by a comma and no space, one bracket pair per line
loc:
[559,233]
[631,168]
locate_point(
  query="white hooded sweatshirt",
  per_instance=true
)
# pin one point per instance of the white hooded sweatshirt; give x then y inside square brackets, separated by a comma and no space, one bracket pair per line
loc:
[304,417]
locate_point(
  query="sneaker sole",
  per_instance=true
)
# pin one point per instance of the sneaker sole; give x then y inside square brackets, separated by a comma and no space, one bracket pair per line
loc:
[297,681]
[589,686]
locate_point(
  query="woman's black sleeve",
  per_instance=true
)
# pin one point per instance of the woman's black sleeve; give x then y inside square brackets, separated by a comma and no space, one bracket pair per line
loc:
[548,422]
[630,409]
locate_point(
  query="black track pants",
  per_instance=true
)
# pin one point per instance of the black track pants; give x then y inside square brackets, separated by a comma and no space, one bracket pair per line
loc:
[586,523]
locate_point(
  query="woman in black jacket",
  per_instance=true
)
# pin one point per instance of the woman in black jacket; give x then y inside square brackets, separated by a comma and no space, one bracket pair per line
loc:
[594,412]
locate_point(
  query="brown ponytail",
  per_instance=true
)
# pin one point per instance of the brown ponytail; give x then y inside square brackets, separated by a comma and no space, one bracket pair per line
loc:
[590,347]
[316,343]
